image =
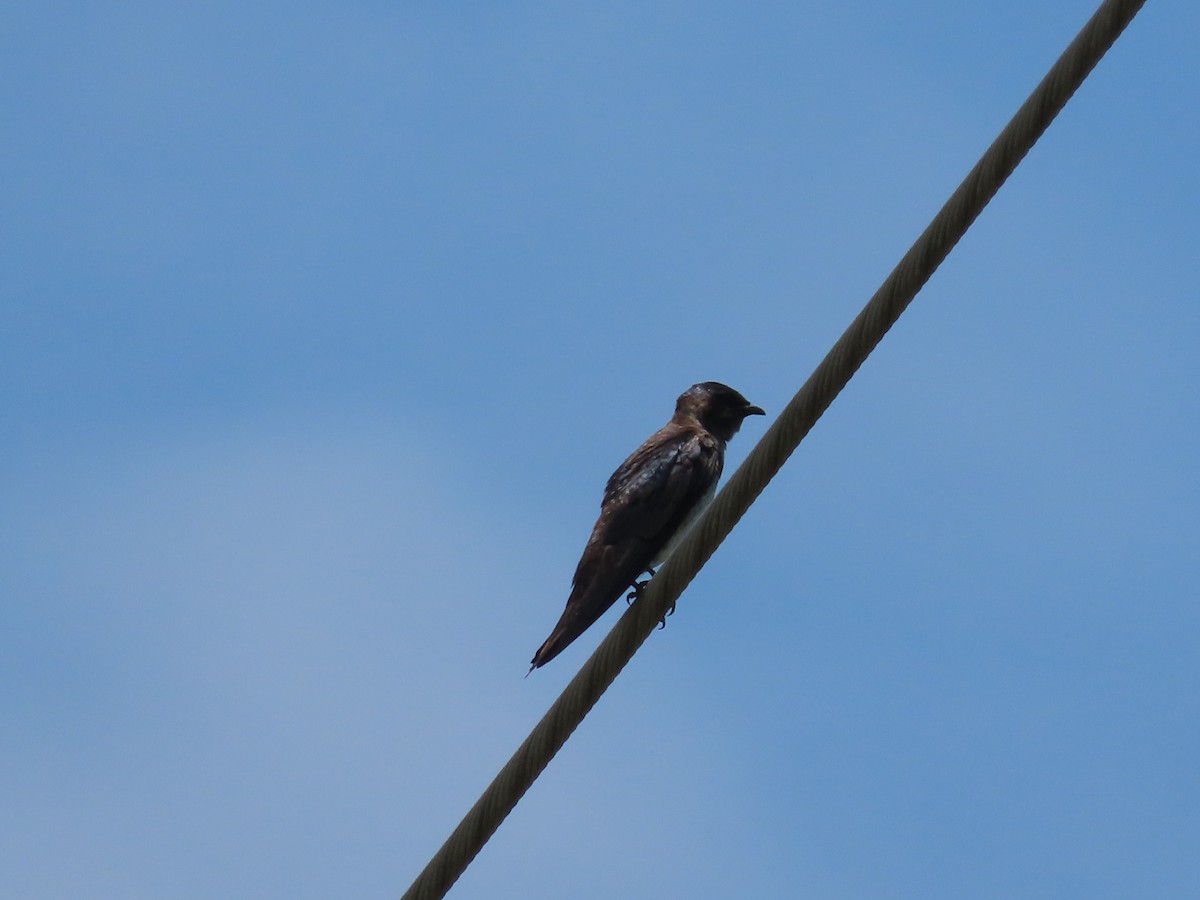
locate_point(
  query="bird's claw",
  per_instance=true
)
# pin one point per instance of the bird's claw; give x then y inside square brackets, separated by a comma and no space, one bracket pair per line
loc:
[662,623]
[637,588]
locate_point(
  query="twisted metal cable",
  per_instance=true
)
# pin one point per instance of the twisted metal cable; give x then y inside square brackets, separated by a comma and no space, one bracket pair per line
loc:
[773,450]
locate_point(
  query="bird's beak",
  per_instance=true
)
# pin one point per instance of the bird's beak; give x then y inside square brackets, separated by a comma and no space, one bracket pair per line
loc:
[755,411]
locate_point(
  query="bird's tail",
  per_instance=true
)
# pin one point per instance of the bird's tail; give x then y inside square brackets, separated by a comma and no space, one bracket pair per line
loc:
[581,613]
[597,584]
[559,639]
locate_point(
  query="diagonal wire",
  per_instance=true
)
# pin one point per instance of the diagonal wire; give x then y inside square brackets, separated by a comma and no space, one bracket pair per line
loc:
[780,440]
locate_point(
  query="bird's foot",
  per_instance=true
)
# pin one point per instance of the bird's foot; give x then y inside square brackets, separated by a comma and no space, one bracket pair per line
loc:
[637,588]
[662,623]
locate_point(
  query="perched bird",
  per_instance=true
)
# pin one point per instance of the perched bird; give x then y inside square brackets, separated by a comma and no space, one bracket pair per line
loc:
[649,503]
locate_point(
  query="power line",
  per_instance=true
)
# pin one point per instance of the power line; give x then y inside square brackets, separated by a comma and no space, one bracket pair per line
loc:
[780,440]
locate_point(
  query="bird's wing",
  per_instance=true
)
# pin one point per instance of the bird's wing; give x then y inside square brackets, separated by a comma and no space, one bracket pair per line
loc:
[651,495]
[645,502]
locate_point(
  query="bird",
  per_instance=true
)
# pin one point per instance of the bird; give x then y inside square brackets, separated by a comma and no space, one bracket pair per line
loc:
[649,503]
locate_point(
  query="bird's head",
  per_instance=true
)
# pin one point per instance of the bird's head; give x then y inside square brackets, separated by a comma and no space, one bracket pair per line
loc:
[718,408]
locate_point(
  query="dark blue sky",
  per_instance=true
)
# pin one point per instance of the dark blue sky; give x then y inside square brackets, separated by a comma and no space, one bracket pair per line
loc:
[324,324]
